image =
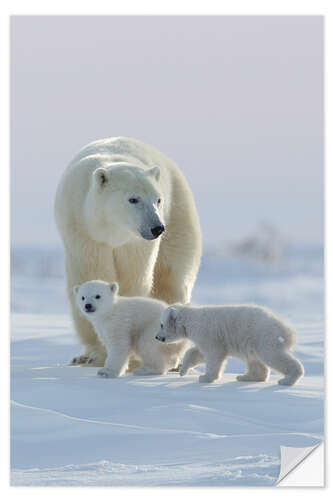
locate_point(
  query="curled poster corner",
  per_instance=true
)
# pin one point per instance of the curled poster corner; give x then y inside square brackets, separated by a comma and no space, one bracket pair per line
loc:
[291,458]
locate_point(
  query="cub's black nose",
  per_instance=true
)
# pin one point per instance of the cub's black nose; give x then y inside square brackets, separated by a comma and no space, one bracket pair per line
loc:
[157,230]
[88,307]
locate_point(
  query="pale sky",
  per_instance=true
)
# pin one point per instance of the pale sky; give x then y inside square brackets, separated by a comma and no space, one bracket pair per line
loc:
[237,102]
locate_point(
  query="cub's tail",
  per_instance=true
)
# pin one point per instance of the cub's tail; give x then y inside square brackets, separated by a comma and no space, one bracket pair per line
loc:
[287,337]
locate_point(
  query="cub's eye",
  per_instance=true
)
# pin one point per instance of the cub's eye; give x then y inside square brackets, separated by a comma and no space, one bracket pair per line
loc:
[82,298]
[134,200]
[158,201]
[97,296]
[161,326]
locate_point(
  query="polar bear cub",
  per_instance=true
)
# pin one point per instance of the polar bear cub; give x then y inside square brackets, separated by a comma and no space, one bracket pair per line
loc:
[249,332]
[127,326]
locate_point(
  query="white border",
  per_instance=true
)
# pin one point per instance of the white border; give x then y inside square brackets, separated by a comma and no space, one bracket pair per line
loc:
[175,7]
[163,7]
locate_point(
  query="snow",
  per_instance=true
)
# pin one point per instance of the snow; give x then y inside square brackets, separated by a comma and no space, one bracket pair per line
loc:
[70,427]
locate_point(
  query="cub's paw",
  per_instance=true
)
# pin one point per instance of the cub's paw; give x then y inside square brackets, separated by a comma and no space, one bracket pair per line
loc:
[287,380]
[106,373]
[79,360]
[205,379]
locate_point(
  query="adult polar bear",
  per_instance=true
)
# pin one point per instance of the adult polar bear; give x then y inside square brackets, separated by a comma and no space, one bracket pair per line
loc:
[113,203]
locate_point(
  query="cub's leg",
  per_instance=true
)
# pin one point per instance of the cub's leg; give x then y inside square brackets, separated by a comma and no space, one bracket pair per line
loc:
[153,360]
[193,357]
[284,362]
[215,362]
[256,372]
[94,353]
[117,359]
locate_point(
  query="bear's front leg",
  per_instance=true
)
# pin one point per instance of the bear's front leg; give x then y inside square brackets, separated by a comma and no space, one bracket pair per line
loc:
[179,254]
[94,352]
[193,357]
[86,260]
[94,356]
[215,362]
[117,359]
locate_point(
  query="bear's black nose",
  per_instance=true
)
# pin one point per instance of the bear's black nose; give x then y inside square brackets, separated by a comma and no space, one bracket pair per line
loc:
[157,230]
[88,307]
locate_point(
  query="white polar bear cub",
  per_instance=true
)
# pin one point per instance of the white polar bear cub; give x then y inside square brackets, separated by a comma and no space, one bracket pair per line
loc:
[127,326]
[249,332]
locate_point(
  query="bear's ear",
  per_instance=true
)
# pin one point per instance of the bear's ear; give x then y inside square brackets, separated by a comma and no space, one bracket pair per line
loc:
[114,287]
[154,172]
[76,289]
[101,177]
[172,317]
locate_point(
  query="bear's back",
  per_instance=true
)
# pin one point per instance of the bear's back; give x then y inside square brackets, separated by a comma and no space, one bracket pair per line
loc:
[141,310]
[124,148]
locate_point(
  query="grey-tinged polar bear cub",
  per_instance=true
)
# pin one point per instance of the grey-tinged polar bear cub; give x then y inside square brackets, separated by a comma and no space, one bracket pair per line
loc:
[249,332]
[127,325]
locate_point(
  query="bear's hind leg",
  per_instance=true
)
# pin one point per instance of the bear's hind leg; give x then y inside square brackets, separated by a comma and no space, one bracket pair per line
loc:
[153,363]
[256,372]
[155,360]
[133,364]
[147,370]
[284,362]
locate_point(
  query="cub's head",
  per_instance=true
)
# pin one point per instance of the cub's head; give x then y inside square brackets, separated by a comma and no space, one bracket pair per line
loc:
[95,297]
[172,329]
[127,203]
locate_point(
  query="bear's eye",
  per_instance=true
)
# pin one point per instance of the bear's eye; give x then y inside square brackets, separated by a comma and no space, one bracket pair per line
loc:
[158,201]
[134,200]
[161,326]
[82,298]
[97,296]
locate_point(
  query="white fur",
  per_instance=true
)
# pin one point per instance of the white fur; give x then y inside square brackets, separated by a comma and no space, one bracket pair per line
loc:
[104,236]
[249,332]
[127,326]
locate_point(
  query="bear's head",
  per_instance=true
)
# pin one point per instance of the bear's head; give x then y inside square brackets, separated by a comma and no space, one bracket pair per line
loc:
[172,328]
[95,298]
[124,203]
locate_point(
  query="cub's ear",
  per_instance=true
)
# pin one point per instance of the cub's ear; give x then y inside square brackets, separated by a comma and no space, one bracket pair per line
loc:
[172,317]
[114,287]
[76,289]
[173,312]
[101,177]
[154,172]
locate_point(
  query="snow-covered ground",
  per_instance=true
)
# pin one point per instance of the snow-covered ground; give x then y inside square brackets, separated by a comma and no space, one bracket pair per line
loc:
[70,427]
